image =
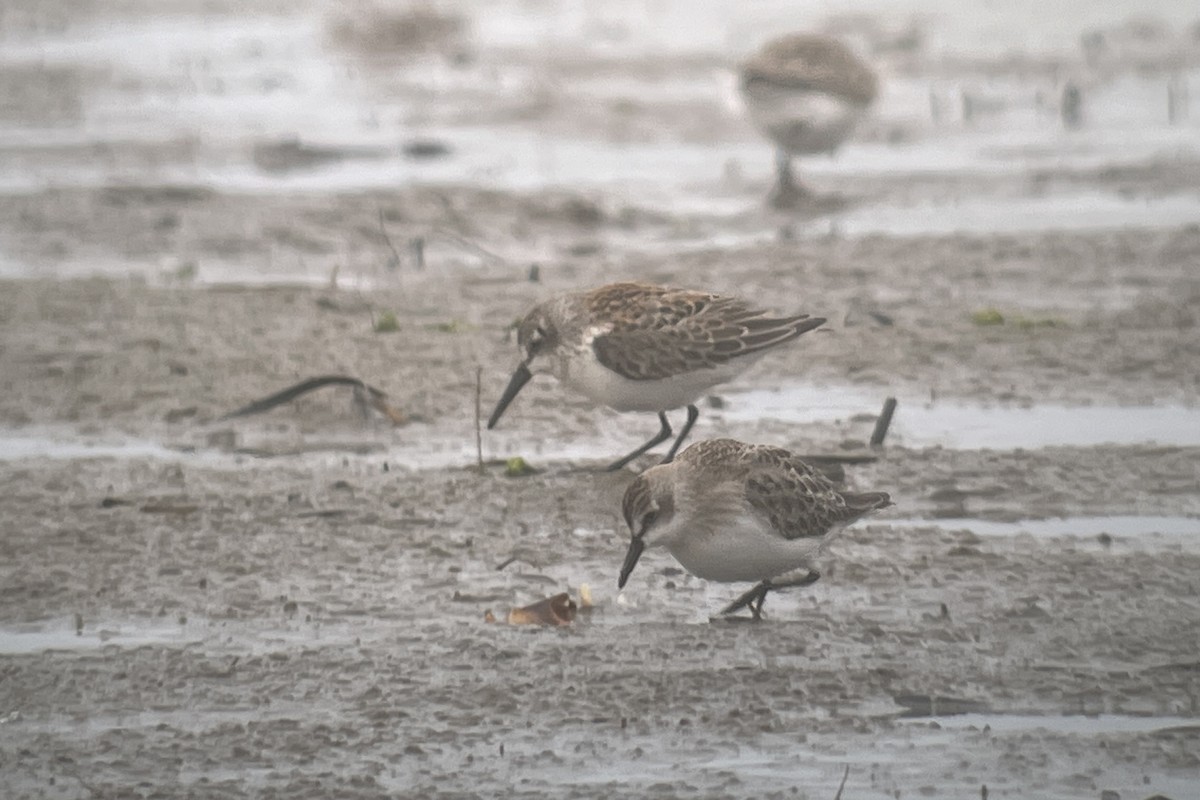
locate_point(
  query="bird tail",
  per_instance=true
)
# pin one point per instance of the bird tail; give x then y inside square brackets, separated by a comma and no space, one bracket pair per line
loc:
[806,324]
[764,332]
[866,502]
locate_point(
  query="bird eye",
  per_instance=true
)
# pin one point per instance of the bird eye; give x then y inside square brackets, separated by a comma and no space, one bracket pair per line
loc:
[536,340]
[649,519]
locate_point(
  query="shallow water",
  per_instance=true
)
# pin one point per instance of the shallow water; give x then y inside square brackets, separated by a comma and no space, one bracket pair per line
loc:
[919,423]
[36,638]
[65,444]
[1096,210]
[634,26]
[1167,529]
[1073,723]
[916,424]
[203,91]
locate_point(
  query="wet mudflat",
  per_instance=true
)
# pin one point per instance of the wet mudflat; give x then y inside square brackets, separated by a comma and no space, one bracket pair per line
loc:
[293,605]
[319,629]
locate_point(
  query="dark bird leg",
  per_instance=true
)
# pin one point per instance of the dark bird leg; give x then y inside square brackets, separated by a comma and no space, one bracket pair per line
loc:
[756,594]
[693,413]
[658,439]
[787,193]
[756,608]
[755,598]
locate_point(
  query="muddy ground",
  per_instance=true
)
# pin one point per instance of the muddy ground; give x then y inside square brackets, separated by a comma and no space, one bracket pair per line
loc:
[293,605]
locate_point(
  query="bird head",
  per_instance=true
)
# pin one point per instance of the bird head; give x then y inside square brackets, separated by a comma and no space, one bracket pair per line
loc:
[649,508]
[537,337]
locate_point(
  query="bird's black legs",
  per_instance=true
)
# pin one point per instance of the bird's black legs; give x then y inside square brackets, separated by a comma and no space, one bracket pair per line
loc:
[756,595]
[755,598]
[693,413]
[787,192]
[663,434]
[756,608]
[659,438]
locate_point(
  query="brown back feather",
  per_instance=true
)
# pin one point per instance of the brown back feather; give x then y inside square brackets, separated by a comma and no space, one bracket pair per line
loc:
[814,62]
[659,332]
[792,495]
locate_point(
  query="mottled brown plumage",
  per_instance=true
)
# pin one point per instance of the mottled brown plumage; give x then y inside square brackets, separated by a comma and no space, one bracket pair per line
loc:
[793,497]
[642,347]
[806,93]
[730,511]
[812,62]
[656,332]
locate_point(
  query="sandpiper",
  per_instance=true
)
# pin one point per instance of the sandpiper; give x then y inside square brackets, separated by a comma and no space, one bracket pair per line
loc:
[805,92]
[730,511]
[641,347]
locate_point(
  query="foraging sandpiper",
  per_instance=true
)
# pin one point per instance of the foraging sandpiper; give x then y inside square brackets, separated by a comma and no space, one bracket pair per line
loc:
[805,92]
[732,512]
[641,347]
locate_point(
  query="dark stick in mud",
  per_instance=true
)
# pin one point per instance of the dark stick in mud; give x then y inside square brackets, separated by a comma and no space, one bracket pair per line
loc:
[417,243]
[478,418]
[373,397]
[884,421]
[842,785]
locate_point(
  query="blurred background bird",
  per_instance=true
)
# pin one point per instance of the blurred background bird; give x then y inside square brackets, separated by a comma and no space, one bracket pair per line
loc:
[805,92]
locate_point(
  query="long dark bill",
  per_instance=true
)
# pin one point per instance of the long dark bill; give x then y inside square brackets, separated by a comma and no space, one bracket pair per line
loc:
[519,379]
[636,546]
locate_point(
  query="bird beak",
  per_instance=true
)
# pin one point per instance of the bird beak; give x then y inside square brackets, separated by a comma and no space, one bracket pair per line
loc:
[519,379]
[636,545]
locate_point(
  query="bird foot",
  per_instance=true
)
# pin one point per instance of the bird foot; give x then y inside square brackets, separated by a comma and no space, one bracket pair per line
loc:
[752,599]
[797,197]
[735,619]
[790,196]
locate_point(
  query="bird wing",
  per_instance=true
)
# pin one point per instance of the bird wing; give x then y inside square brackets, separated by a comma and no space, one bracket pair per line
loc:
[656,332]
[799,501]
[811,62]
[794,497]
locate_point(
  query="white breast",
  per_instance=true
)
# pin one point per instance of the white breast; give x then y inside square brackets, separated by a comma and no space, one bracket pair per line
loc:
[580,370]
[802,121]
[744,551]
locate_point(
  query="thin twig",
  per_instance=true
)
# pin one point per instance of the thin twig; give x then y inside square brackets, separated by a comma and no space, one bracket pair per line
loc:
[417,244]
[842,785]
[463,241]
[395,262]
[478,418]
[884,421]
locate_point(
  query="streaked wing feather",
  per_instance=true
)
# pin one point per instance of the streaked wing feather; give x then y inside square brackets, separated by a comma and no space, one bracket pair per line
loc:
[808,62]
[799,501]
[794,497]
[657,332]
